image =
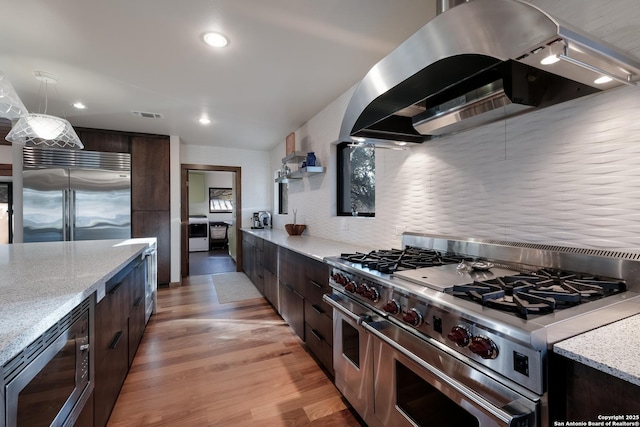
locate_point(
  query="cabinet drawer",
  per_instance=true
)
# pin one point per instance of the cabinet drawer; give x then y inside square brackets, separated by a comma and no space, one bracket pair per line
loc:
[320,320]
[292,309]
[271,289]
[317,271]
[313,291]
[318,345]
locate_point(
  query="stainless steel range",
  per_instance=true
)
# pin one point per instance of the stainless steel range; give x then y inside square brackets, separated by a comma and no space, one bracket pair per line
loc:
[453,332]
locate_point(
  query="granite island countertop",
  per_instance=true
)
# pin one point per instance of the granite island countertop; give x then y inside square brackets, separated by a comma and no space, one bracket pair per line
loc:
[42,282]
[311,246]
[612,349]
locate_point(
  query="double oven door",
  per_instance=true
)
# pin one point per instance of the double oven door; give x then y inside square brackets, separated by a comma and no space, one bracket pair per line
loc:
[393,378]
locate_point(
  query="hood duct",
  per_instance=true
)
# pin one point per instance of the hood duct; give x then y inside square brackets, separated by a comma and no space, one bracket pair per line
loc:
[479,62]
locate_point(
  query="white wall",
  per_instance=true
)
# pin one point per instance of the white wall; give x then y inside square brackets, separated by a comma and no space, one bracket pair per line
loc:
[567,174]
[256,175]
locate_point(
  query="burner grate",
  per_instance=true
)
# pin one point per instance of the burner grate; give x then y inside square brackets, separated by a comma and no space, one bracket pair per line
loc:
[539,292]
[410,258]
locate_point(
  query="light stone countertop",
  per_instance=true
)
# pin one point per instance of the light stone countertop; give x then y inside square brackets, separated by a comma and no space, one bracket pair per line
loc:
[42,282]
[314,247]
[612,349]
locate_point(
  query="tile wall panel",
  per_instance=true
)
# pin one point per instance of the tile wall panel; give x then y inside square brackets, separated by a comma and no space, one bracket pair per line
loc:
[567,174]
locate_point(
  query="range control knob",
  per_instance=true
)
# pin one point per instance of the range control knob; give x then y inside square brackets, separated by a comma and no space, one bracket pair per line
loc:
[339,278]
[483,347]
[372,294]
[460,336]
[413,317]
[350,286]
[392,307]
[361,289]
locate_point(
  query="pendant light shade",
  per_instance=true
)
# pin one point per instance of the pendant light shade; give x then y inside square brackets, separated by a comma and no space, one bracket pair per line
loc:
[46,131]
[11,107]
[42,130]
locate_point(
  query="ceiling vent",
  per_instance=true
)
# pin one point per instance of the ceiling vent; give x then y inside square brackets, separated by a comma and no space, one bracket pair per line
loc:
[147,115]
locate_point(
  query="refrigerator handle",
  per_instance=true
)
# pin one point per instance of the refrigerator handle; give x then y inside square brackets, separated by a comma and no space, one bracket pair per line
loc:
[65,214]
[72,214]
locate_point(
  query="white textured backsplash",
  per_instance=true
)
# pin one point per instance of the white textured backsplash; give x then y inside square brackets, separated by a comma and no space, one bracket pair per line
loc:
[568,174]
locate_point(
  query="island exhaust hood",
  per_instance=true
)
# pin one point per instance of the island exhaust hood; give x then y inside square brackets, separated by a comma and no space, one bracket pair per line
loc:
[478,62]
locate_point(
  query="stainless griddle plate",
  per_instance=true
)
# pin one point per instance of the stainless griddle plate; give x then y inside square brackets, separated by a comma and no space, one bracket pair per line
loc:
[445,277]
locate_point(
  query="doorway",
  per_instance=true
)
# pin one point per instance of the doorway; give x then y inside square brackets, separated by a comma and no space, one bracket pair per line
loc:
[234,224]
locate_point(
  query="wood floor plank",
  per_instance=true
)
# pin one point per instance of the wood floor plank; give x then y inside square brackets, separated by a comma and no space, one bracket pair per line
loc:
[202,363]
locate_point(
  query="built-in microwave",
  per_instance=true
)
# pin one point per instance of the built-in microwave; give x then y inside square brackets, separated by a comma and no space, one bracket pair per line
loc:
[48,383]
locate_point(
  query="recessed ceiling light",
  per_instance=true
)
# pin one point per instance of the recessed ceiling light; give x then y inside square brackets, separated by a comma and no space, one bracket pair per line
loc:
[204,120]
[215,39]
[79,105]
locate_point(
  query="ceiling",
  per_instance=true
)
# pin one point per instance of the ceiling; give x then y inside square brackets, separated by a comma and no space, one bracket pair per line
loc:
[286,61]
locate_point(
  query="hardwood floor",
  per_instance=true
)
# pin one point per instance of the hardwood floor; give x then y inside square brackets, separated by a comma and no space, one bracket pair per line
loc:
[201,363]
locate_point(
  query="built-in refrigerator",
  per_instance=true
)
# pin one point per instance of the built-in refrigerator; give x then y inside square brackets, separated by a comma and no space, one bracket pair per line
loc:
[75,195]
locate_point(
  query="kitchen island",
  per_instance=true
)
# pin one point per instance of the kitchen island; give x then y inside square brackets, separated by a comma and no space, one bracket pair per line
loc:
[42,282]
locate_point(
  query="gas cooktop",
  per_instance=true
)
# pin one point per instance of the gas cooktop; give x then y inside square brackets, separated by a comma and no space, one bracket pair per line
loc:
[446,277]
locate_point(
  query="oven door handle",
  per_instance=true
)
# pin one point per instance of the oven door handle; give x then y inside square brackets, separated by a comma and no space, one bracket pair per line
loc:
[334,301]
[478,400]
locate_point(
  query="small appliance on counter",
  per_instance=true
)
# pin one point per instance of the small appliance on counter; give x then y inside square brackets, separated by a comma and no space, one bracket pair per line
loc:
[261,219]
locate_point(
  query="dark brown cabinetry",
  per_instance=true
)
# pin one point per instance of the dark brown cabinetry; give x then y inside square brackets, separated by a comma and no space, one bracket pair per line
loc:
[156,224]
[294,284]
[270,272]
[150,197]
[105,141]
[292,308]
[318,315]
[150,174]
[291,277]
[136,309]
[118,329]
[578,392]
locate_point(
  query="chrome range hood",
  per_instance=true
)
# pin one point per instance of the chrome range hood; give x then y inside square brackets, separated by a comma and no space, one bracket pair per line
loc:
[477,63]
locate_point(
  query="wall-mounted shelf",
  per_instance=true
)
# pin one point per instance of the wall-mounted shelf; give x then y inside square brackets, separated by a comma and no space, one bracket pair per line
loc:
[298,157]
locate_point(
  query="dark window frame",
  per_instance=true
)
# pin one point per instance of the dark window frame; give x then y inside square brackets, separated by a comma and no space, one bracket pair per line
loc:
[341,176]
[283,188]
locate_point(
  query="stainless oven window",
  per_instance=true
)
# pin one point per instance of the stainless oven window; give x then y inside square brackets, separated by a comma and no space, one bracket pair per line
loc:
[351,343]
[44,396]
[425,405]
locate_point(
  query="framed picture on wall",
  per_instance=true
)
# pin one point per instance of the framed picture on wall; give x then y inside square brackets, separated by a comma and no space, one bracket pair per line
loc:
[220,200]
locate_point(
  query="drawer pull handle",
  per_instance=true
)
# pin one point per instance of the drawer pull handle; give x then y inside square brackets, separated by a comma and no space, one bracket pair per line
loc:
[138,302]
[115,288]
[116,340]
[317,335]
[316,284]
[84,347]
[317,309]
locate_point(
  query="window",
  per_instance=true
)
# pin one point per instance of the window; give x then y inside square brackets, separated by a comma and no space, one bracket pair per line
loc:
[356,180]
[220,200]
[283,198]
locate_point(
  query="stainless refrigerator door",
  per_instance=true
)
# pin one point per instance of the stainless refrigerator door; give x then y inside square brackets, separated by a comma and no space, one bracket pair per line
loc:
[100,204]
[44,194]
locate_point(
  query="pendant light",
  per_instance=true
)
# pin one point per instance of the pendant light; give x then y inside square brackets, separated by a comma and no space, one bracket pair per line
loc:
[11,106]
[43,130]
